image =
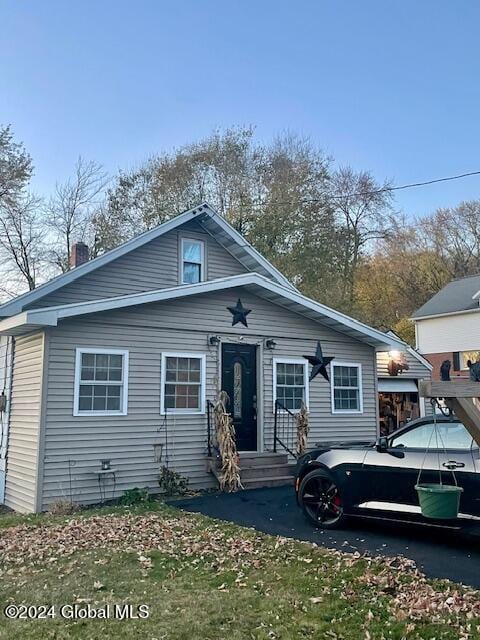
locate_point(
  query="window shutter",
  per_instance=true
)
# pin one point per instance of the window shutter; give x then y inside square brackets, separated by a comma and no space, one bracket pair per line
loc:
[456,361]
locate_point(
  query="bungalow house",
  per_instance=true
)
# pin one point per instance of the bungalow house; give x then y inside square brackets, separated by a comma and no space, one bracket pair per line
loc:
[107,371]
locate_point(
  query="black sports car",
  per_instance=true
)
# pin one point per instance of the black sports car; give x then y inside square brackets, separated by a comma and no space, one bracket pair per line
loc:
[378,479]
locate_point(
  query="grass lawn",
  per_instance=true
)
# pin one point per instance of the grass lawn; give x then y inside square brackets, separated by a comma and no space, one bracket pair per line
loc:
[205,579]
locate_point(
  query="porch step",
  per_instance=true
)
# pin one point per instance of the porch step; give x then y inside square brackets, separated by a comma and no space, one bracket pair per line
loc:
[260,469]
[275,481]
[248,460]
[266,471]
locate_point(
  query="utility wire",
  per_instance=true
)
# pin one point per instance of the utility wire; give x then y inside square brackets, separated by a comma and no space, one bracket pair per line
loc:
[385,189]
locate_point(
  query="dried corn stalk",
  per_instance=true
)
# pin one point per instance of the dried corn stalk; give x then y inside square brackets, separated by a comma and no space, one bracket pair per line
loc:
[302,429]
[225,434]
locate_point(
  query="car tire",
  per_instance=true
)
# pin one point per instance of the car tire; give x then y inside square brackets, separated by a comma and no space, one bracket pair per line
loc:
[321,500]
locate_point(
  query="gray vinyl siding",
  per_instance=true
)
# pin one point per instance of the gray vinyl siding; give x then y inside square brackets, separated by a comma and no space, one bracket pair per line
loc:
[6,343]
[416,369]
[152,266]
[25,415]
[131,441]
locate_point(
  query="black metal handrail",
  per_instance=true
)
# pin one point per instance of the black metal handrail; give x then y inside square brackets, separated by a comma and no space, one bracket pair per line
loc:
[284,429]
[210,407]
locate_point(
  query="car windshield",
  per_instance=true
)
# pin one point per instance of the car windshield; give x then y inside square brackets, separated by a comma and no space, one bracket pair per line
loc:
[448,435]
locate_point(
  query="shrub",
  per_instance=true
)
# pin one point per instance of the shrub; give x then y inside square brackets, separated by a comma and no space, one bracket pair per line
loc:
[134,496]
[172,482]
[61,507]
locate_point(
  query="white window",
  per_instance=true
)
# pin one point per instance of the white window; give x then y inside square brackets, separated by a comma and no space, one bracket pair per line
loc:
[346,384]
[465,356]
[193,261]
[183,383]
[101,382]
[290,383]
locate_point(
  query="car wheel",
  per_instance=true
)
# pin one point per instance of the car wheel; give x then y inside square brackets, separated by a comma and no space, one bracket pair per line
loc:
[321,500]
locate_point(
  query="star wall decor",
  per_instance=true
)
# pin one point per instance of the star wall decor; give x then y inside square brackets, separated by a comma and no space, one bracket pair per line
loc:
[319,363]
[239,313]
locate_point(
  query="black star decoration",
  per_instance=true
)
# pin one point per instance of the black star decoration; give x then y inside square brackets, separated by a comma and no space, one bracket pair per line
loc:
[239,313]
[319,363]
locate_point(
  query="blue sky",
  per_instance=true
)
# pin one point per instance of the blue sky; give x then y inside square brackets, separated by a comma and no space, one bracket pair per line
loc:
[392,87]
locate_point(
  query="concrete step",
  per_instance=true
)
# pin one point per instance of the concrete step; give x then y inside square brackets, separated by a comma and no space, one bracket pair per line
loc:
[267,471]
[262,459]
[275,481]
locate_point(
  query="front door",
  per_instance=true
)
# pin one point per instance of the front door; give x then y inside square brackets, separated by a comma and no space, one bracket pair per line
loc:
[239,380]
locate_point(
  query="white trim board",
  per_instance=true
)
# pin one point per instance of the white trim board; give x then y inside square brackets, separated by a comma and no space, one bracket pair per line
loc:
[208,217]
[258,284]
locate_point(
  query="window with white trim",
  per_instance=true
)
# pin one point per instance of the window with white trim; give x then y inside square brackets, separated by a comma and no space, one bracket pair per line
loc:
[290,383]
[465,356]
[183,383]
[346,385]
[193,261]
[101,382]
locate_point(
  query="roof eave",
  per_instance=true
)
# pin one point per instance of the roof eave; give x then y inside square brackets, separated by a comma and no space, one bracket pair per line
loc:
[15,306]
[445,314]
[277,294]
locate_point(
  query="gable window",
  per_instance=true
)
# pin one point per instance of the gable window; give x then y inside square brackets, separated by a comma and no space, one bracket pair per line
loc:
[101,382]
[193,261]
[290,383]
[346,384]
[183,383]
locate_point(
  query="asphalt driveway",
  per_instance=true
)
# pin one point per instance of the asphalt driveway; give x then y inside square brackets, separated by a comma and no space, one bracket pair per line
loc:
[438,553]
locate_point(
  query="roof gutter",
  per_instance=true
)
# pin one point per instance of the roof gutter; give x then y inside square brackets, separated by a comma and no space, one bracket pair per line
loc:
[443,315]
[51,315]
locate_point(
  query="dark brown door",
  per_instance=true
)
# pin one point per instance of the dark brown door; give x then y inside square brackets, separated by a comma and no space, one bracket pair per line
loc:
[239,380]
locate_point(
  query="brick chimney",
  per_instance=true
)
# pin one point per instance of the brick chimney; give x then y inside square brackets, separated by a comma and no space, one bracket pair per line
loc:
[78,254]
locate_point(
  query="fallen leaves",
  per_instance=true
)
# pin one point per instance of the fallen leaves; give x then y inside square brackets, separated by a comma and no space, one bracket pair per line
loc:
[188,539]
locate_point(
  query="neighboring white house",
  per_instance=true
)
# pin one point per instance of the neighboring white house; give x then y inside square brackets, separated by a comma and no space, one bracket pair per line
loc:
[447,327]
[109,369]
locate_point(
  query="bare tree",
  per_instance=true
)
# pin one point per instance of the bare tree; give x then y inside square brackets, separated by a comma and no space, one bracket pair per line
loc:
[454,234]
[363,209]
[72,207]
[21,235]
[21,242]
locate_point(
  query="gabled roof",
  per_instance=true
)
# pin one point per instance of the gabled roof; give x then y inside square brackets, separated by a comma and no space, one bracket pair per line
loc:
[208,218]
[458,296]
[259,285]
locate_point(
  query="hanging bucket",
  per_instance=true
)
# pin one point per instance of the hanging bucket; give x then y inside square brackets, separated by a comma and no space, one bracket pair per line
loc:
[439,501]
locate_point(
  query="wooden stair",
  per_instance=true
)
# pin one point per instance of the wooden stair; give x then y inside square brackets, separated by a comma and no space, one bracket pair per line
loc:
[260,469]
[459,396]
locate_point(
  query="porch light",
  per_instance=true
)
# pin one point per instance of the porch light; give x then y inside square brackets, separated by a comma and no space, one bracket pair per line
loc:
[213,340]
[394,355]
[270,344]
[397,363]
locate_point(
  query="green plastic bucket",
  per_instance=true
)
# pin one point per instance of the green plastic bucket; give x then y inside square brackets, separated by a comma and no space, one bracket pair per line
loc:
[440,501]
